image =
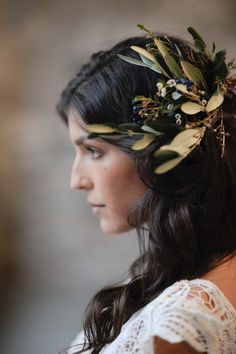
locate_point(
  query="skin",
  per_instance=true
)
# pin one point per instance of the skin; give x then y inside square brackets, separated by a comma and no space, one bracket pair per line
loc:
[163,347]
[109,177]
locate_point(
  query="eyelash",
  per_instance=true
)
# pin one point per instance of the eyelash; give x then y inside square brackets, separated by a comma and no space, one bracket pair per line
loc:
[95,153]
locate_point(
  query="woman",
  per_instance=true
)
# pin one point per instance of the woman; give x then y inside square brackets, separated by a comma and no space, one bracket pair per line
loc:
[153,124]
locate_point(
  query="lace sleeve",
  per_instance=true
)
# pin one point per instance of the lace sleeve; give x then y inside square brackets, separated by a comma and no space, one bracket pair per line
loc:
[195,311]
[193,314]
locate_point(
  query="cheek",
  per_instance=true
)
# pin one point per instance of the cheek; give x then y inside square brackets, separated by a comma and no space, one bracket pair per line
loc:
[121,185]
[118,186]
[119,196]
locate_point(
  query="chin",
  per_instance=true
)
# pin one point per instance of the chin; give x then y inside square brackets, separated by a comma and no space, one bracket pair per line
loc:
[113,229]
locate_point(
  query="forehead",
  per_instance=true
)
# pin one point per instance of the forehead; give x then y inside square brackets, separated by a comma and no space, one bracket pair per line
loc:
[77,128]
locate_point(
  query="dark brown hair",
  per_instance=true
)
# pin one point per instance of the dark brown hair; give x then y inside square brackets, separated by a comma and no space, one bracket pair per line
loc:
[190,211]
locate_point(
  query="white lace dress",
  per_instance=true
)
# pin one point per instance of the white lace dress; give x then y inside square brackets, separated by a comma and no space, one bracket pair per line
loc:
[195,311]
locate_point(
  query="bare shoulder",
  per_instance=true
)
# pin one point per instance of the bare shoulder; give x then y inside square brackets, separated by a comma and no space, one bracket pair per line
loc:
[161,346]
[223,276]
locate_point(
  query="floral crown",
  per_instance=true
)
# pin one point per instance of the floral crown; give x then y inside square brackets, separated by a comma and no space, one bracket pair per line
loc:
[188,100]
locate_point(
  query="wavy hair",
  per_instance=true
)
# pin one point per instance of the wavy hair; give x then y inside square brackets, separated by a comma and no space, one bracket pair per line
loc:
[189,212]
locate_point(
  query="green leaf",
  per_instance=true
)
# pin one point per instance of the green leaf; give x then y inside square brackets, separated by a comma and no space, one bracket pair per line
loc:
[165,155]
[199,42]
[144,53]
[129,126]
[93,136]
[215,101]
[191,108]
[144,142]
[167,166]
[194,74]
[156,67]
[178,51]
[100,128]
[219,67]
[112,137]
[168,40]
[219,58]
[176,149]
[182,144]
[161,47]
[173,66]
[213,47]
[163,127]
[140,98]
[141,26]
[188,138]
[148,129]
[169,60]
[133,61]
[182,88]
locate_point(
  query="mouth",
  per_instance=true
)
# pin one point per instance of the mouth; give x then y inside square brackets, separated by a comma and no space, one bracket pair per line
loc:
[96,208]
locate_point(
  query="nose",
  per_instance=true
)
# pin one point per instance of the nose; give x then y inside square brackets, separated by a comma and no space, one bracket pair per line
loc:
[80,180]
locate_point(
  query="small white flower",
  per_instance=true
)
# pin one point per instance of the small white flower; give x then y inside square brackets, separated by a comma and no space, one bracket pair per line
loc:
[160,85]
[171,83]
[170,106]
[178,118]
[204,102]
[175,95]
[178,121]
[163,92]
[178,115]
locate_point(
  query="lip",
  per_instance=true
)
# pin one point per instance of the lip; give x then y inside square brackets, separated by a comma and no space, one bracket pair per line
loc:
[96,208]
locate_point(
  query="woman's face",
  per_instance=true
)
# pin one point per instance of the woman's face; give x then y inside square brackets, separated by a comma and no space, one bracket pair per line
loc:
[109,177]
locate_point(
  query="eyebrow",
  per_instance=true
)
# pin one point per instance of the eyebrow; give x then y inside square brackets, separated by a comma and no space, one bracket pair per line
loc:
[81,140]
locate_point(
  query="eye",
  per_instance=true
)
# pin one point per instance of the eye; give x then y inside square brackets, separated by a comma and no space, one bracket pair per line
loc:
[94,152]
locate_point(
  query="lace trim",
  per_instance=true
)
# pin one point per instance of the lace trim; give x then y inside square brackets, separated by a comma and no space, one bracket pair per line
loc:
[195,311]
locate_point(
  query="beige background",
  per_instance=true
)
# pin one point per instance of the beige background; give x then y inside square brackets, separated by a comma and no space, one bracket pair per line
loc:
[53,256]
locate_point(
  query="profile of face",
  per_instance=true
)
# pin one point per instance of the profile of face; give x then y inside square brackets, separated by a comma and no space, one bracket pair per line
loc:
[109,177]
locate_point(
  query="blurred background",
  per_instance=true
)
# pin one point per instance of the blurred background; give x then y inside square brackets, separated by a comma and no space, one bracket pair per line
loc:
[53,256]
